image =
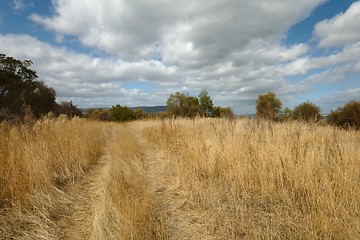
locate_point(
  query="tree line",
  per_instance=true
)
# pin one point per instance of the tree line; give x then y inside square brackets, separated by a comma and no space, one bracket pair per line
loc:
[177,105]
[269,107]
[22,96]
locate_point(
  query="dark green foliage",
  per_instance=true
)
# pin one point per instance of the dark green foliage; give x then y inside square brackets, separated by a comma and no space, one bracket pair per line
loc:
[19,89]
[98,114]
[223,112]
[205,104]
[140,113]
[307,112]
[268,106]
[181,105]
[347,116]
[121,114]
[68,109]
[286,115]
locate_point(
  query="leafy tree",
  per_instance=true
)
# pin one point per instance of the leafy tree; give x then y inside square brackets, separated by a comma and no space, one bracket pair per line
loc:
[223,112]
[175,104]
[68,109]
[121,114]
[307,111]
[268,106]
[191,107]
[140,113]
[19,88]
[286,115]
[181,105]
[205,104]
[98,114]
[42,99]
[346,116]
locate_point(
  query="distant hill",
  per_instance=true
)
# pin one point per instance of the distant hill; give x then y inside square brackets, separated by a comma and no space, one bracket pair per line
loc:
[151,109]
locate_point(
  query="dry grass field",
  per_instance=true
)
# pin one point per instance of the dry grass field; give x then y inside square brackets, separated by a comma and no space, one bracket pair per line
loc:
[179,179]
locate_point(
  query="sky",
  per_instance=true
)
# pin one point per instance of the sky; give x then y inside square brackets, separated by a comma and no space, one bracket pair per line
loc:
[136,53]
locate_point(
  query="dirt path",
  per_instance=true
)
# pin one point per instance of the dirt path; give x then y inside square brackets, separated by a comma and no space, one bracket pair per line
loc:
[175,217]
[131,182]
[75,212]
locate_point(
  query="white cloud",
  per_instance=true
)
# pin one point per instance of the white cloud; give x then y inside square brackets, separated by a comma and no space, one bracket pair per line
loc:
[187,32]
[232,48]
[79,75]
[341,30]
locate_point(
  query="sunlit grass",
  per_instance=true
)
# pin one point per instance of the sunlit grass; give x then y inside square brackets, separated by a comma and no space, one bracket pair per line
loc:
[179,179]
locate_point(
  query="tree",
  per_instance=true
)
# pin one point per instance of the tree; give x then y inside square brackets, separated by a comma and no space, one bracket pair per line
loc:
[140,113]
[181,105]
[191,108]
[41,100]
[223,112]
[68,109]
[347,116]
[19,88]
[98,114]
[121,114]
[286,115]
[307,112]
[175,104]
[205,104]
[268,106]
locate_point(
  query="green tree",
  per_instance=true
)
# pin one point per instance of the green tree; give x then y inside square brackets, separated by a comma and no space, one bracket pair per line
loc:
[191,107]
[42,99]
[181,105]
[347,116]
[226,112]
[286,115]
[98,114]
[205,104]
[122,114]
[140,113]
[175,104]
[268,106]
[68,109]
[307,111]
[20,89]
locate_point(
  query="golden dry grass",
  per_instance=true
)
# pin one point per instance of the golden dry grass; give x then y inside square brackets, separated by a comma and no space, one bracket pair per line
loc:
[36,161]
[179,179]
[257,180]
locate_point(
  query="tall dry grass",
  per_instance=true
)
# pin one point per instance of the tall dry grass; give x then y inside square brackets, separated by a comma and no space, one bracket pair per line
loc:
[178,179]
[257,180]
[123,208]
[35,161]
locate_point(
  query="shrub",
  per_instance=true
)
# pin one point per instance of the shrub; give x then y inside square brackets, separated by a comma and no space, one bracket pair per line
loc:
[268,106]
[346,116]
[121,114]
[307,112]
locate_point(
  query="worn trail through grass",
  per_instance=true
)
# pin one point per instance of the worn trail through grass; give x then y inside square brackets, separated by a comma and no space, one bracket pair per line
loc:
[181,179]
[122,196]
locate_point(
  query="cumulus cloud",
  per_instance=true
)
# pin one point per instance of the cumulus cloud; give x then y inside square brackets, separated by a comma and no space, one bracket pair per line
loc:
[341,30]
[232,48]
[194,33]
[75,75]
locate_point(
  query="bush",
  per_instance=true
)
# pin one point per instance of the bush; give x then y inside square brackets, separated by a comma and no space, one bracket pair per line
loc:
[307,112]
[121,114]
[68,109]
[268,106]
[347,116]
[98,114]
